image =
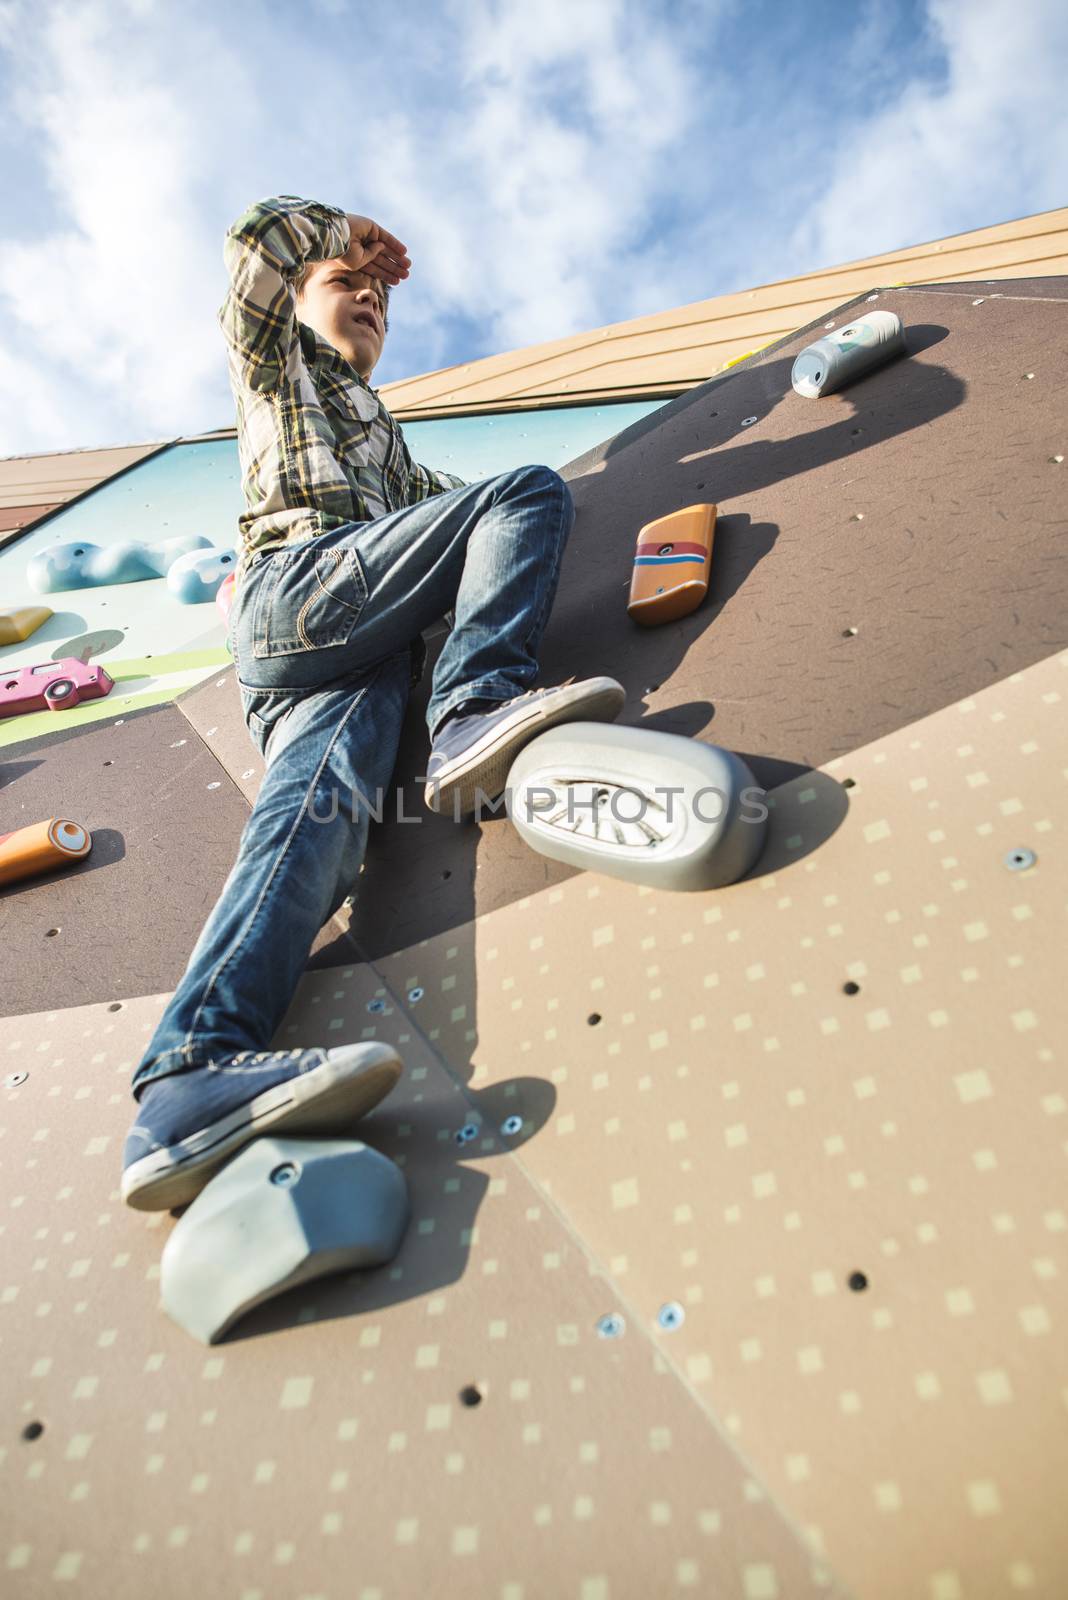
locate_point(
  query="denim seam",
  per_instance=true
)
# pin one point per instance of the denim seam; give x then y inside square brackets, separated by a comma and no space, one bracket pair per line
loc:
[550,588]
[209,987]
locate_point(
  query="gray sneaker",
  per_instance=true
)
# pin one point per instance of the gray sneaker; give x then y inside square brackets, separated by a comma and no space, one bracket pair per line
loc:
[471,755]
[191,1123]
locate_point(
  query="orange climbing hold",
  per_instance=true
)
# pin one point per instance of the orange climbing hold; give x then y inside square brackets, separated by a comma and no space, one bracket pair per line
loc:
[672,565]
[42,847]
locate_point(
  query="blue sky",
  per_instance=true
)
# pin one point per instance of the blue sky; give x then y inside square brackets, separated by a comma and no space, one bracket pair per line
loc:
[552,166]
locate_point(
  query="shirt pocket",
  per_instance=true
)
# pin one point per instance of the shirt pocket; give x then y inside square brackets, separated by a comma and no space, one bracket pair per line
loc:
[354,412]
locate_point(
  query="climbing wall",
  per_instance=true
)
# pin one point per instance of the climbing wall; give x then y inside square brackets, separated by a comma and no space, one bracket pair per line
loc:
[151,643]
[879,554]
[767,1296]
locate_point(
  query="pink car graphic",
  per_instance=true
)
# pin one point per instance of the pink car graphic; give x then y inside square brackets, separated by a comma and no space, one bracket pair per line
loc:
[52,686]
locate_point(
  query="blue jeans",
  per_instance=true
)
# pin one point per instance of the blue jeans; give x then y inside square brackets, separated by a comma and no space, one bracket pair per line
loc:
[323,635]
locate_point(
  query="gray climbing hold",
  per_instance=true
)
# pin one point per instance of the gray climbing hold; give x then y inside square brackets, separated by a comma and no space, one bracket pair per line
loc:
[652,808]
[281,1213]
[847,354]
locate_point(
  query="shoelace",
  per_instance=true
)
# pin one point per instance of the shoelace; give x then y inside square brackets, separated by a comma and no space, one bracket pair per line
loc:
[263,1055]
[527,693]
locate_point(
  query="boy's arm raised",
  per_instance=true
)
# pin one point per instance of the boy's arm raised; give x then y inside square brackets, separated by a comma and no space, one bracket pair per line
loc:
[265,250]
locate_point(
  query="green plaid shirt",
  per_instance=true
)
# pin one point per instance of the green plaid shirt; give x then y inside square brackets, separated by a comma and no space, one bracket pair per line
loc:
[318,447]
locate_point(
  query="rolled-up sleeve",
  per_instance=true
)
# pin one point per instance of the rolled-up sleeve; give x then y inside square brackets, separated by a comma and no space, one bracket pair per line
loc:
[264,251]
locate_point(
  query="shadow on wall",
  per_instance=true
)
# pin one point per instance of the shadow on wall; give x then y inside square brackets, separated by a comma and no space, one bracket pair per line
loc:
[919,400]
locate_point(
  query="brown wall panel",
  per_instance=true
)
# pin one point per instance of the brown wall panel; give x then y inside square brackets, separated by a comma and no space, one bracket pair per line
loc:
[921,507]
[15,517]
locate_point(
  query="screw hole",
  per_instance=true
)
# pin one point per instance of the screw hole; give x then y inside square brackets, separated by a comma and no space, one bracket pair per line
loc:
[33,1430]
[447,873]
[857,1282]
[470,1395]
[851,988]
[594,1018]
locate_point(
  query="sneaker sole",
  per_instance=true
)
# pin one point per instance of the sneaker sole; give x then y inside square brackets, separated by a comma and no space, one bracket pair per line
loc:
[324,1100]
[484,768]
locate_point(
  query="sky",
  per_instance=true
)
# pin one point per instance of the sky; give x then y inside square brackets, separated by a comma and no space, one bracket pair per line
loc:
[551,165]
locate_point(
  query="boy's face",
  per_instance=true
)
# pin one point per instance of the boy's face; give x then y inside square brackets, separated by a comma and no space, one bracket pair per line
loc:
[347,308]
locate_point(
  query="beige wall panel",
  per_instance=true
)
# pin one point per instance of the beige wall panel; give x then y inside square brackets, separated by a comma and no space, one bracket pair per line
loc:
[14,518]
[27,480]
[689,344]
[322,1450]
[739,1135]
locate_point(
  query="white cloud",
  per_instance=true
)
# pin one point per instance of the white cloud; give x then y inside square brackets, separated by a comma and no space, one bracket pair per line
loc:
[109,318]
[520,183]
[988,144]
[551,166]
[528,192]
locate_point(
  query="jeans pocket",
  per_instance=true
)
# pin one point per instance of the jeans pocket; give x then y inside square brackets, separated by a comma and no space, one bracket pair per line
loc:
[311,599]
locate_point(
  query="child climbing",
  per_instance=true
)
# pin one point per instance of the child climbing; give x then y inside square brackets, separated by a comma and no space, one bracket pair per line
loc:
[349,549]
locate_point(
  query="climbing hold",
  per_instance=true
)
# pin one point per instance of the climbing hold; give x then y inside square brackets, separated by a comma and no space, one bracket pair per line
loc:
[41,847]
[672,563]
[19,624]
[224,597]
[52,686]
[88,566]
[196,577]
[651,808]
[282,1212]
[851,352]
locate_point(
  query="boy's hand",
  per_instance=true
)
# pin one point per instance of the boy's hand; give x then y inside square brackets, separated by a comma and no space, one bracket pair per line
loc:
[374,251]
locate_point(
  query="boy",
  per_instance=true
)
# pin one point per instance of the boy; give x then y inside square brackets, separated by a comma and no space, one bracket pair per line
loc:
[349,549]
